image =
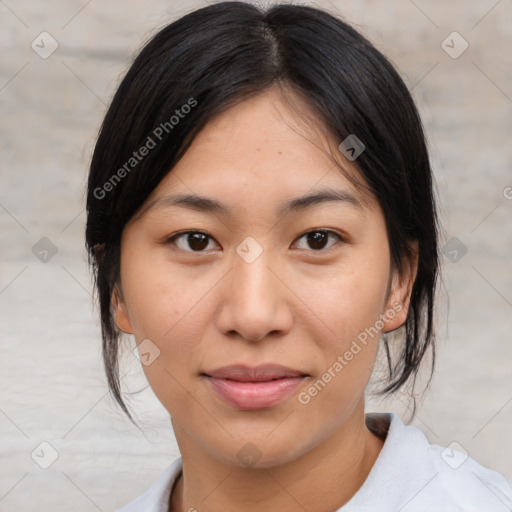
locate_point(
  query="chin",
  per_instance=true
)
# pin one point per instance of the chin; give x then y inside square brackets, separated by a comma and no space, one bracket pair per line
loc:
[258,451]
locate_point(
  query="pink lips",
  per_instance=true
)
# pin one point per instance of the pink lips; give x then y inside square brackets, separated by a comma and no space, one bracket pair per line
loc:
[252,388]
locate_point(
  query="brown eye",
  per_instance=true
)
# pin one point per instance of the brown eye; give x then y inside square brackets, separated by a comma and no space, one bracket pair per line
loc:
[191,241]
[318,240]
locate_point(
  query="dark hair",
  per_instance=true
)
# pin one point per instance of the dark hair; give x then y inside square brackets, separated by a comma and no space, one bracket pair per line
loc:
[221,54]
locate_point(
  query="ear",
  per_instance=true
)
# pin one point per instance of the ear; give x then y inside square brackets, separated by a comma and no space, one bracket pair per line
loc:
[121,317]
[399,295]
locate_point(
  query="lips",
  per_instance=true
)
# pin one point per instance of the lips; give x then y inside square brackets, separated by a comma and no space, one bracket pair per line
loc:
[250,388]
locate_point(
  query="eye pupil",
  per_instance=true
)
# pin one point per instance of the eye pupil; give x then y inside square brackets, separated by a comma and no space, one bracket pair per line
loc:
[197,241]
[317,239]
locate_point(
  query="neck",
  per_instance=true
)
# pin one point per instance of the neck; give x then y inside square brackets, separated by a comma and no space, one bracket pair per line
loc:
[329,474]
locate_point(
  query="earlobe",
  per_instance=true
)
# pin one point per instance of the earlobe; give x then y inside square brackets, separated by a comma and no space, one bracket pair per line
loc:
[397,305]
[121,318]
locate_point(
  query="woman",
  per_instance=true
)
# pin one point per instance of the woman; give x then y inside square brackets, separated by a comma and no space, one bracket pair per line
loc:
[261,217]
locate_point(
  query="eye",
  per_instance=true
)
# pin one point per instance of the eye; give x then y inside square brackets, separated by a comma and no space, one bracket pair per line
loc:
[198,241]
[318,239]
[191,241]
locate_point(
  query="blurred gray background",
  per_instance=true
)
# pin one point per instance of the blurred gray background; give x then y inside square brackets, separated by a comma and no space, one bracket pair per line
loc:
[54,407]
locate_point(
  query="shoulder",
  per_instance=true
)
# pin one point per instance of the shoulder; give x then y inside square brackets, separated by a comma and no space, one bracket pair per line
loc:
[467,483]
[412,475]
[156,498]
[453,480]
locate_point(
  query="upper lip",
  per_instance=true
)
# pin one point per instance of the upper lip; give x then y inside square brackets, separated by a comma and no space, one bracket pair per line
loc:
[262,373]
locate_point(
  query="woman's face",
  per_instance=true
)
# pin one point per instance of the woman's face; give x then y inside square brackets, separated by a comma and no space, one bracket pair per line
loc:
[271,279]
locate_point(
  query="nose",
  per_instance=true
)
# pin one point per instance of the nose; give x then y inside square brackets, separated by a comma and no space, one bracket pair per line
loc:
[255,301]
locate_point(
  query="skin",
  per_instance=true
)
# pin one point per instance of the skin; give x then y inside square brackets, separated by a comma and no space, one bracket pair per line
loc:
[296,305]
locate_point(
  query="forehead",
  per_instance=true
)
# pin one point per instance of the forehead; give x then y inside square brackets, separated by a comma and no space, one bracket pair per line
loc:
[274,132]
[258,153]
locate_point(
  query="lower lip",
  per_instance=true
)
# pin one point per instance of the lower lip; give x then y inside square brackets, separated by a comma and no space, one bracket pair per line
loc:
[255,395]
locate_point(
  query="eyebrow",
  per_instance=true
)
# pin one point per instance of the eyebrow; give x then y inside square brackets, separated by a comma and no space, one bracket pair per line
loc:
[209,205]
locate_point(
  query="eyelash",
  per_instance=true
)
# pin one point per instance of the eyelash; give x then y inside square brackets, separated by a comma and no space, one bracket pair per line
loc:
[172,239]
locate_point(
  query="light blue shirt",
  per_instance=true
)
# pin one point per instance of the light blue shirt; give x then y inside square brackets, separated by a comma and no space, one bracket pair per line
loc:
[409,475]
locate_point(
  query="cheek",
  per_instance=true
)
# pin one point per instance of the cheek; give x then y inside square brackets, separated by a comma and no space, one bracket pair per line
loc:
[348,347]
[349,303]
[160,296]
[172,307]
[347,300]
